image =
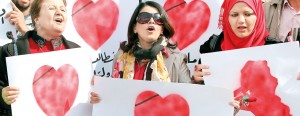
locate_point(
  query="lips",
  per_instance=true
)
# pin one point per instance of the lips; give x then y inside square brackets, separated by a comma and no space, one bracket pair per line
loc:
[58,20]
[241,28]
[151,28]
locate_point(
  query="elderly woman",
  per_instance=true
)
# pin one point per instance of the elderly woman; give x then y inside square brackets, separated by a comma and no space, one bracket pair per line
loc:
[49,18]
[149,54]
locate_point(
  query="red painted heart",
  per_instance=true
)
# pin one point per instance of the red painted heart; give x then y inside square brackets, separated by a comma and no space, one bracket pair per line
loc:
[189,20]
[257,79]
[55,91]
[149,103]
[95,22]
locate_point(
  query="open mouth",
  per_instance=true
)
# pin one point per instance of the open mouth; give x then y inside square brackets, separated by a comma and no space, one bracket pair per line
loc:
[151,28]
[59,20]
[242,27]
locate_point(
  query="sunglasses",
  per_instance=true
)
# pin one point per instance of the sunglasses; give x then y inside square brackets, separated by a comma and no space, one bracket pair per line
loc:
[144,17]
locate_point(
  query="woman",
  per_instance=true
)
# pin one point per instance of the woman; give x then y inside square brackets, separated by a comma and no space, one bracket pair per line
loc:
[243,26]
[49,18]
[149,53]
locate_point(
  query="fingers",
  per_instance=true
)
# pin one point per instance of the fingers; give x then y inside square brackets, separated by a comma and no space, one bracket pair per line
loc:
[197,79]
[236,105]
[8,14]
[9,94]
[94,98]
[12,17]
[201,66]
[10,99]
[198,70]
[14,6]
[12,88]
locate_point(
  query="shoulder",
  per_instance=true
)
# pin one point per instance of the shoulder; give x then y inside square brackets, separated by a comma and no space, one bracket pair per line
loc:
[119,53]
[273,3]
[174,51]
[70,44]
[7,50]
[212,44]
[176,56]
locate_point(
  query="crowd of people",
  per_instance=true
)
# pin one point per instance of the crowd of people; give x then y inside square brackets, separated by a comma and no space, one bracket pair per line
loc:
[149,53]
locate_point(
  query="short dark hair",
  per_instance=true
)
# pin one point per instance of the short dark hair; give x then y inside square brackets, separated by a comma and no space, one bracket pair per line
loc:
[132,37]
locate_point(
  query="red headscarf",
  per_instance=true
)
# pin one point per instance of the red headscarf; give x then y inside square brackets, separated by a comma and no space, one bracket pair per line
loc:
[258,34]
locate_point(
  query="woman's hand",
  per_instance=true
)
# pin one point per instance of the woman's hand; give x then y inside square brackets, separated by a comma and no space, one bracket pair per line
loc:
[198,73]
[94,98]
[236,105]
[10,94]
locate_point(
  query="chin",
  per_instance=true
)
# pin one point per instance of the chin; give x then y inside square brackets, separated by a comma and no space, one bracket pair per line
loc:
[58,32]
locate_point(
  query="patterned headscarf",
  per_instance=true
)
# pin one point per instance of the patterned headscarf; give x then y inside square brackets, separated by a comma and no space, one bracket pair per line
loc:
[258,34]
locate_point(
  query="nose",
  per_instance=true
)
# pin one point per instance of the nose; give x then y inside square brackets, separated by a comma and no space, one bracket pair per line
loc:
[58,12]
[241,19]
[151,21]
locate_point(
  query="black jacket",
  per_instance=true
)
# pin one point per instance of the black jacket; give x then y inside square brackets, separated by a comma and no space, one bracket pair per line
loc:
[214,43]
[23,48]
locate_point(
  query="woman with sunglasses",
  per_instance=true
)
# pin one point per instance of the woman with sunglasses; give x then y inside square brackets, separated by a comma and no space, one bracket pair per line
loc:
[243,25]
[149,53]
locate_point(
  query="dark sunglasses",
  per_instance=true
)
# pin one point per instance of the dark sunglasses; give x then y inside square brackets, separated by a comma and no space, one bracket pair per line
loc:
[144,17]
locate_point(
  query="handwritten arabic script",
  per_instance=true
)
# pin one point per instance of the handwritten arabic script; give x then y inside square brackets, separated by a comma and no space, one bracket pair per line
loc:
[103,59]
[2,15]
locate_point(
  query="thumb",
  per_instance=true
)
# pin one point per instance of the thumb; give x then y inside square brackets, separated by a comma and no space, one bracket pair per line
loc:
[15,8]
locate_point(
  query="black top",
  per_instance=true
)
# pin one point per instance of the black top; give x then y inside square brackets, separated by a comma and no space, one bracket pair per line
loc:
[214,43]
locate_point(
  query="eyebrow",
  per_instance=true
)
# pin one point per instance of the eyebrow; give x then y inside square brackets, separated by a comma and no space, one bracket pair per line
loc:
[247,11]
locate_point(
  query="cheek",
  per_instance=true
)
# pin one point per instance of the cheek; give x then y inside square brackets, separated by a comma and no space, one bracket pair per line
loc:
[138,29]
[160,29]
[231,23]
[252,22]
[66,18]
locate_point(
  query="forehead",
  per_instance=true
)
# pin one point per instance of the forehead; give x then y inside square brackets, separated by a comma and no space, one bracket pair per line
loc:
[21,0]
[240,6]
[53,3]
[149,9]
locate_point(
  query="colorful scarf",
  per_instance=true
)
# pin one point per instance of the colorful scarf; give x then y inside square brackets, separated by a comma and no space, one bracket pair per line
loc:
[155,71]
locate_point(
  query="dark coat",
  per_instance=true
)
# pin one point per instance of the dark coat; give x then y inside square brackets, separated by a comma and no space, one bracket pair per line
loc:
[214,43]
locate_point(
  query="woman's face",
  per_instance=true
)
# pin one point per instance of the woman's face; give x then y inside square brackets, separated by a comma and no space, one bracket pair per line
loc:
[242,19]
[52,17]
[150,31]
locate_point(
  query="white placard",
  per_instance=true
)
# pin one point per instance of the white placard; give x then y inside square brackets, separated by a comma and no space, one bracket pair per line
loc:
[41,94]
[120,97]
[227,70]
[5,26]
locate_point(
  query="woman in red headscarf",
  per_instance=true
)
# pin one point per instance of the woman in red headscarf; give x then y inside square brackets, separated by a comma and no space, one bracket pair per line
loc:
[243,25]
